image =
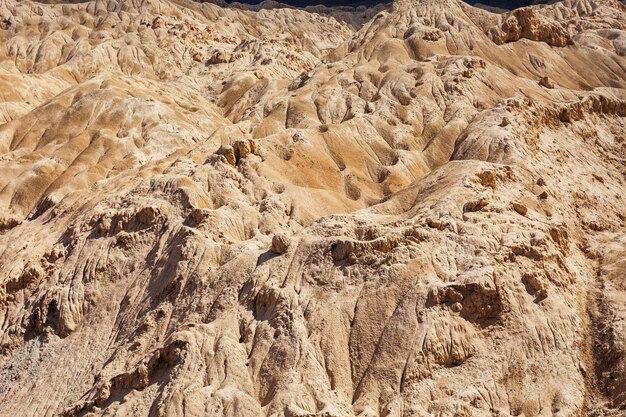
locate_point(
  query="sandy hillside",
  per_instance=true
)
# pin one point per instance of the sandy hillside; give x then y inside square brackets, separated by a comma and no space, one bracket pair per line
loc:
[410,211]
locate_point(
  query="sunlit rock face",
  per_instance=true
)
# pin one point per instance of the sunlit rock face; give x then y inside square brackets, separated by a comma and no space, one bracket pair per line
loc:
[409,210]
[504,4]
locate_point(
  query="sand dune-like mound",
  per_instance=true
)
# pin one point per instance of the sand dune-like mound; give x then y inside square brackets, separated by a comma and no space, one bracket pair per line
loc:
[417,210]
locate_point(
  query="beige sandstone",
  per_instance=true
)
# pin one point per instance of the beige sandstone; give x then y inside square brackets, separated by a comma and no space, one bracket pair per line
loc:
[231,211]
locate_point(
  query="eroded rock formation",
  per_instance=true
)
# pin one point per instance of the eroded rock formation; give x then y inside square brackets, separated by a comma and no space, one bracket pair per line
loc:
[226,212]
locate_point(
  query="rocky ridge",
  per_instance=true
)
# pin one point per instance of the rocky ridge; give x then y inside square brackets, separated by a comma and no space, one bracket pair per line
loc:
[218,211]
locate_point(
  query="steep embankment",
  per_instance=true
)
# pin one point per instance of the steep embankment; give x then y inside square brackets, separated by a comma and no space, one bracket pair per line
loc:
[208,211]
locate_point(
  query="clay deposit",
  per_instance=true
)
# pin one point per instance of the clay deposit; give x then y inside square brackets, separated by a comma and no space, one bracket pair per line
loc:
[417,210]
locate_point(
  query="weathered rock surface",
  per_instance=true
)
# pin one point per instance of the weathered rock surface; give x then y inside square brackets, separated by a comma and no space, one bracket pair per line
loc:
[229,212]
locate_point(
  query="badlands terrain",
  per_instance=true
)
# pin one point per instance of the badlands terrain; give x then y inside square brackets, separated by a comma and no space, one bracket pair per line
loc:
[413,210]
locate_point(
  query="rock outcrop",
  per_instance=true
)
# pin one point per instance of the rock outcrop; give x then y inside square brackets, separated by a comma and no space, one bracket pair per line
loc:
[412,211]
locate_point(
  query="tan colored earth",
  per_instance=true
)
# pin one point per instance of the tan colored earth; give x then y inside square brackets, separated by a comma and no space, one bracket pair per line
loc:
[417,210]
